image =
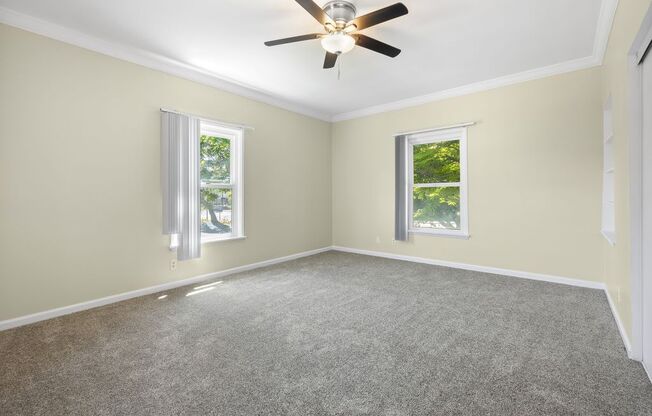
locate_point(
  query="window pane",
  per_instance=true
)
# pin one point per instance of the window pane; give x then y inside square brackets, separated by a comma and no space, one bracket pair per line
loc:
[437,162]
[216,206]
[437,208]
[215,164]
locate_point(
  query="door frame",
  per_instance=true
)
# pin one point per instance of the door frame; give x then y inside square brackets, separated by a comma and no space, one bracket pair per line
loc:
[637,53]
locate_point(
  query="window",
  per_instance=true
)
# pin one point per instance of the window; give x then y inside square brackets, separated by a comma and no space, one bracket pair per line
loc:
[437,183]
[221,198]
[608,177]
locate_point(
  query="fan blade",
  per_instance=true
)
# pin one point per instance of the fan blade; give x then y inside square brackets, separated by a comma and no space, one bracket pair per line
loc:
[293,39]
[316,11]
[329,60]
[380,16]
[376,45]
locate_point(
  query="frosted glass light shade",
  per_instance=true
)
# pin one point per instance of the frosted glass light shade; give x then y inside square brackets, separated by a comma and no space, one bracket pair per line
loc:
[338,43]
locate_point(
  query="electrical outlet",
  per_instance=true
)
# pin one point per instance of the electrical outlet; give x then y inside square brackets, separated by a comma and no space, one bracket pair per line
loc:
[377,239]
[173,265]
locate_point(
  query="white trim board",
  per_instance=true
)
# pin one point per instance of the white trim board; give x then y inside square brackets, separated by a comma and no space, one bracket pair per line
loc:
[636,163]
[152,61]
[538,73]
[600,43]
[193,73]
[484,269]
[605,23]
[619,323]
[53,313]
[506,272]
[65,310]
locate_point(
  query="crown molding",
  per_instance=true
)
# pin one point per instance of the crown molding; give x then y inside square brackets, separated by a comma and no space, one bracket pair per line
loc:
[193,73]
[152,61]
[601,40]
[605,23]
[530,75]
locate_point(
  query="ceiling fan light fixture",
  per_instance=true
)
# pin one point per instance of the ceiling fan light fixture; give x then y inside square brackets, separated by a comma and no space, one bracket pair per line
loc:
[338,43]
[340,21]
[350,28]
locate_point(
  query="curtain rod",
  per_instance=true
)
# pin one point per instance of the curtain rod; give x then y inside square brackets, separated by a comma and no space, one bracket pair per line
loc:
[226,124]
[451,126]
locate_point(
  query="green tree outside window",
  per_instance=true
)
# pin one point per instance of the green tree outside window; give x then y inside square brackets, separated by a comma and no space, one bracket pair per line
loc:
[436,206]
[215,170]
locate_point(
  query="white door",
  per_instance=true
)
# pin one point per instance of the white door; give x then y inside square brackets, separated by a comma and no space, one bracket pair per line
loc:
[647,212]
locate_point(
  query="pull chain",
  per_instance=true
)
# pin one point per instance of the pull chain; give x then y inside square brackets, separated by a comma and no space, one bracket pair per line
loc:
[339,68]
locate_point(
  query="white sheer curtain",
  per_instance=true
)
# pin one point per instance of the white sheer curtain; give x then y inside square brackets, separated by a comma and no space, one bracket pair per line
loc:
[180,182]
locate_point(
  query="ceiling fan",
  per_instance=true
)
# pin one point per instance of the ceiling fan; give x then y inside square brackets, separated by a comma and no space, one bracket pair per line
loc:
[341,24]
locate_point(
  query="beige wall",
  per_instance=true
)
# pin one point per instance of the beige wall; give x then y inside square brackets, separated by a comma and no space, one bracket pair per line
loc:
[79,175]
[80,203]
[627,22]
[534,165]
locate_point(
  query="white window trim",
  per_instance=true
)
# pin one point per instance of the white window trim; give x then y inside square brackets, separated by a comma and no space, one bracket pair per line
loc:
[608,227]
[235,135]
[214,128]
[459,133]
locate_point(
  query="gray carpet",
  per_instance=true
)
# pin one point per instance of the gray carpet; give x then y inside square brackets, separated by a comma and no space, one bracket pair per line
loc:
[332,334]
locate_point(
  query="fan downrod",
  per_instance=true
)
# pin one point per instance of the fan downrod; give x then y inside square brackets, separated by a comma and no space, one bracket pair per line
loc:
[342,12]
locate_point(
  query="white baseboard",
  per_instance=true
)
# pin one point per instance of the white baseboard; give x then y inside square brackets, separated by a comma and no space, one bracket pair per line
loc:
[53,313]
[647,370]
[506,272]
[619,323]
[475,268]
[65,310]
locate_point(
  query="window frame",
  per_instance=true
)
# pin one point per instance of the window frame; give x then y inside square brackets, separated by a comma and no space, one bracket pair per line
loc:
[236,182]
[437,136]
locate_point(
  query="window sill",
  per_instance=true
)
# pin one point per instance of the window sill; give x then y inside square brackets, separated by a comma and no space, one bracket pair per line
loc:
[173,242]
[610,236]
[447,234]
[218,239]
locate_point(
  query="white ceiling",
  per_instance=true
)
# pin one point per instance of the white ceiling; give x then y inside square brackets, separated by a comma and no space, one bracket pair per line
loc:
[446,44]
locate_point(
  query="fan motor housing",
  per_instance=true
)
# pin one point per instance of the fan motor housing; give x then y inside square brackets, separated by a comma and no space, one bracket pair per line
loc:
[340,11]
